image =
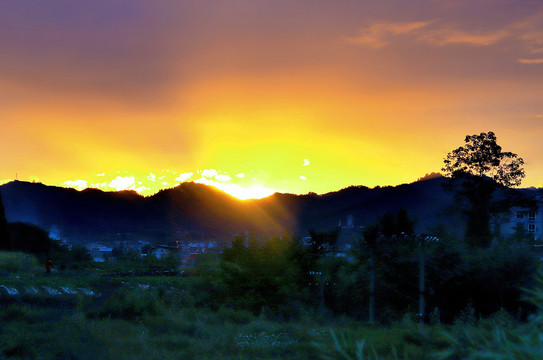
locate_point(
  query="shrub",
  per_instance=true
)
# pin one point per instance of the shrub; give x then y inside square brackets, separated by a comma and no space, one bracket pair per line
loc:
[226,314]
[128,305]
[500,337]
[345,347]
[17,262]
[30,238]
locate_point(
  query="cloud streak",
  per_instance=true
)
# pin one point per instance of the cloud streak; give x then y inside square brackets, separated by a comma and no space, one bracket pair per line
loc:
[381,34]
[530,61]
[451,36]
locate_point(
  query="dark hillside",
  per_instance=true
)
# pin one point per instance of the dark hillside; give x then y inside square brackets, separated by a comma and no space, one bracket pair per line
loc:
[196,211]
[425,200]
[86,215]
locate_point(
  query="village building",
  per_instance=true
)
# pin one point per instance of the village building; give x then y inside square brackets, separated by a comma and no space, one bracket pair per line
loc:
[99,252]
[520,220]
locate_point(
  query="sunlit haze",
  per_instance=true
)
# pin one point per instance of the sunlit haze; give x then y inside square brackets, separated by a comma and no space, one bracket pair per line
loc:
[256,97]
[166,179]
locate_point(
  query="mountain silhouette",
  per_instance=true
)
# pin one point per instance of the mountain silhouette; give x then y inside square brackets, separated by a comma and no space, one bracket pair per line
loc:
[197,211]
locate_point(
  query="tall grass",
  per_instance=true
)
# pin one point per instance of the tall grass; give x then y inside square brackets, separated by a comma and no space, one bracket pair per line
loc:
[143,321]
[154,318]
[393,342]
[501,337]
[17,262]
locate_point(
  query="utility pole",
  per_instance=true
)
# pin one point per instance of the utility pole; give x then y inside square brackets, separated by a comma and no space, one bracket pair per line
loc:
[422,274]
[421,281]
[371,238]
[321,293]
[372,286]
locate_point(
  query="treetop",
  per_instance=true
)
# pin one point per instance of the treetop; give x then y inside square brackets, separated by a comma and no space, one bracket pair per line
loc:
[482,156]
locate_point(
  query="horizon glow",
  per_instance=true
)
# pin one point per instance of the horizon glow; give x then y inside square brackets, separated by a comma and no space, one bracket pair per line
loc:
[271,96]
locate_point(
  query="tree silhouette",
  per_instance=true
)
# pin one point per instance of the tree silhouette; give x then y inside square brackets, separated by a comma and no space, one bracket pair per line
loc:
[481,166]
[4,231]
[30,238]
[484,158]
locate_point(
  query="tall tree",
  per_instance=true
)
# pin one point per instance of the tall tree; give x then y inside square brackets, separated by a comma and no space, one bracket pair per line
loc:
[4,231]
[482,167]
[484,158]
[30,238]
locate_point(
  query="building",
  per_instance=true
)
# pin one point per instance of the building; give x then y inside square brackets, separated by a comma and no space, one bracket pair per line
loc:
[163,251]
[99,252]
[524,220]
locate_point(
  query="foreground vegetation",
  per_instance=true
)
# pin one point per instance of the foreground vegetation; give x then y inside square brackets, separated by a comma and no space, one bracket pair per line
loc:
[163,318]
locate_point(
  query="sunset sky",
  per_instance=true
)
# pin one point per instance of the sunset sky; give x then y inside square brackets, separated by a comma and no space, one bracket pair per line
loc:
[260,96]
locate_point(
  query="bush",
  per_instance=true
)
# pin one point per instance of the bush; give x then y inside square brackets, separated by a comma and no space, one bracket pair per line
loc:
[263,276]
[17,262]
[76,258]
[500,337]
[128,305]
[24,313]
[30,238]
[489,279]
[226,314]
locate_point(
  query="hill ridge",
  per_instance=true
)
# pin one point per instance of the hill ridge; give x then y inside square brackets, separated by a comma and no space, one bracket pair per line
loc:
[194,210]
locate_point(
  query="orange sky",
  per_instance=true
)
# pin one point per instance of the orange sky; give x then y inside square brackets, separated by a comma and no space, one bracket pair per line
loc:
[263,95]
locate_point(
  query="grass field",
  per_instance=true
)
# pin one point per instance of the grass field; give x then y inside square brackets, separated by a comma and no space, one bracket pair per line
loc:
[155,318]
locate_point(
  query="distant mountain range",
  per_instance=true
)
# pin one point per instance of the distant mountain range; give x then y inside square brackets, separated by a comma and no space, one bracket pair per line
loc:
[193,211]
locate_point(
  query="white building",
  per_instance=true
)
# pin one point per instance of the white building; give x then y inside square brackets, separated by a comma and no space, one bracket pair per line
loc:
[527,220]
